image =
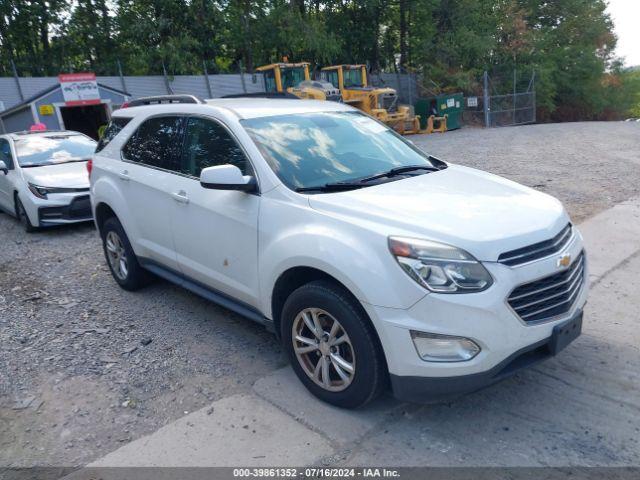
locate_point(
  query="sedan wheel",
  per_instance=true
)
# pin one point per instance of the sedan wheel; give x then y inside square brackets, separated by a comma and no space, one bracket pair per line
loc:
[323,349]
[117,255]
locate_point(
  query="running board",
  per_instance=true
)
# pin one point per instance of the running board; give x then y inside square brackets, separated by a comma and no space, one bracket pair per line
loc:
[207,293]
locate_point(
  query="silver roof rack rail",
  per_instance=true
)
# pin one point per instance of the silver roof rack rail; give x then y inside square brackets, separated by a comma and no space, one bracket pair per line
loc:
[156,100]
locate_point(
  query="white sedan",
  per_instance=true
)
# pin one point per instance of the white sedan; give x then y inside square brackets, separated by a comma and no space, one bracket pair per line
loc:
[43,177]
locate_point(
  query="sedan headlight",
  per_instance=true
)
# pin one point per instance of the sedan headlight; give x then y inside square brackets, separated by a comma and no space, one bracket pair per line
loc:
[42,192]
[38,191]
[439,267]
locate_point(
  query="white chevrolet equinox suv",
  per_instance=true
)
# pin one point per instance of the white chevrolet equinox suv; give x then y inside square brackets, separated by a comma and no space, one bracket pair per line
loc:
[376,264]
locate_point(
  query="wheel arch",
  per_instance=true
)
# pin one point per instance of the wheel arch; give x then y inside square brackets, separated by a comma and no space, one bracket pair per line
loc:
[103,212]
[294,278]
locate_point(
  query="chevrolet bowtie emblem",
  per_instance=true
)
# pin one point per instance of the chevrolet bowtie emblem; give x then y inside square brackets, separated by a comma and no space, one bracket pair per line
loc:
[564,261]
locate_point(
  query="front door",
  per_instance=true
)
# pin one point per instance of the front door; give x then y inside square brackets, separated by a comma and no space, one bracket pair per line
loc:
[215,231]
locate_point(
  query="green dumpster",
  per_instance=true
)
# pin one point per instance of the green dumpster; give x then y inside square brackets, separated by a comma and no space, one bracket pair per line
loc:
[450,104]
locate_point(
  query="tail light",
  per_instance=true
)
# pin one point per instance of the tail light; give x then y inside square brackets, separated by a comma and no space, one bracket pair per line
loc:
[124,105]
[89,166]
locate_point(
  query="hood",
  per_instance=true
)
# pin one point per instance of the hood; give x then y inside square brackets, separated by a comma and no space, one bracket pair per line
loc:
[481,213]
[64,175]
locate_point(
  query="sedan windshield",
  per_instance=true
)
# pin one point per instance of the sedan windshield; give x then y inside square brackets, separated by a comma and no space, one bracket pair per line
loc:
[313,149]
[42,150]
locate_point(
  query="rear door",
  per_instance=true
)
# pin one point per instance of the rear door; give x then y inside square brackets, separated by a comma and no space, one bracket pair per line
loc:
[151,159]
[215,231]
[6,186]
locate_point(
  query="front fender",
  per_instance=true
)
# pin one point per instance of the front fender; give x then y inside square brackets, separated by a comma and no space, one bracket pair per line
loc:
[358,259]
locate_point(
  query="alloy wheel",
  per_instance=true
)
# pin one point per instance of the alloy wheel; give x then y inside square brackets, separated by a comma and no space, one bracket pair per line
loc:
[117,255]
[323,349]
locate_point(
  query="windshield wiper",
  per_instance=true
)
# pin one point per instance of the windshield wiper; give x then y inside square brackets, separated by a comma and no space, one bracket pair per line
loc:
[54,163]
[332,187]
[398,171]
[362,182]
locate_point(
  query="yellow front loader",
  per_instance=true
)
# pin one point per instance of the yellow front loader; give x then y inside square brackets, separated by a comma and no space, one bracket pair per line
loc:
[294,78]
[379,102]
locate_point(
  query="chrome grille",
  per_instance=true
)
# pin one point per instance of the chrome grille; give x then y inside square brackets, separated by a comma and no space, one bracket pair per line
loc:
[549,296]
[537,250]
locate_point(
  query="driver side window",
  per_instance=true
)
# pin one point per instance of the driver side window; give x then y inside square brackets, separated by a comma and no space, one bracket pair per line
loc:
[208,144]
[5,153]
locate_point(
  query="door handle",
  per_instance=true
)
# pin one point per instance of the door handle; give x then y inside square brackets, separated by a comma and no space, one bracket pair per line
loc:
[124,176]
[180,197]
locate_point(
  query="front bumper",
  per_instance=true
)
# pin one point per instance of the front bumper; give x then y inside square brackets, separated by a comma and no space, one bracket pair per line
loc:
[425,389]
[485,317]
[77,210]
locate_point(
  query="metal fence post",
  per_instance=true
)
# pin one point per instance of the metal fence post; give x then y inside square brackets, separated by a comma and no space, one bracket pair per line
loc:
[15,75]
[533,83]
[124,85]
[166,79]
[514,95]
[244,87]
[485,102]
[206,78]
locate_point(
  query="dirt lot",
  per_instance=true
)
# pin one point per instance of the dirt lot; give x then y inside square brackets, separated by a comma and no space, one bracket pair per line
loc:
[589,166]
[86,367]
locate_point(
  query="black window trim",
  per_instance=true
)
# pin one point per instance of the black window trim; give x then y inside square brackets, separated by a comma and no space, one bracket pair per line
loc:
[182,140]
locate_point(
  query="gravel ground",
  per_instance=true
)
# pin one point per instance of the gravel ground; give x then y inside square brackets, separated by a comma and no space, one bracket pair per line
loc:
[86,366]
[589,166]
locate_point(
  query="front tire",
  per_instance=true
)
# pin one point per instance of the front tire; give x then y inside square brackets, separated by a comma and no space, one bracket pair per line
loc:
[21,213]
[332,345]
[122,261]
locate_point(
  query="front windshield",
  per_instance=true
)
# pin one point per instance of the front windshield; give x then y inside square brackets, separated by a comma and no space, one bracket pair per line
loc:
[313,149]
[292,76]
[41,150]
[352,77]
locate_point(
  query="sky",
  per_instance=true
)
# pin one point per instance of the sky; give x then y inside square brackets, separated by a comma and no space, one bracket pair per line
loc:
[626,18]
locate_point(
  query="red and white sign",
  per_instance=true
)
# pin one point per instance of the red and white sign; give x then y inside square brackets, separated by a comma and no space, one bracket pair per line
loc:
[79,88]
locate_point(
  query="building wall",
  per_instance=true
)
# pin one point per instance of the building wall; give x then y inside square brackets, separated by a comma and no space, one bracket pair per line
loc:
[23,119]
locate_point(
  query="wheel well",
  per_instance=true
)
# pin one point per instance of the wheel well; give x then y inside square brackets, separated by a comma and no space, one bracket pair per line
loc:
[15,202]
[103,212]
[293,279]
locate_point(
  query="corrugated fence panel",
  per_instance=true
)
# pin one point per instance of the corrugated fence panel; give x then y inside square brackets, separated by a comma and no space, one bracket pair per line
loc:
[221,85]
[231,84]
[190,85]
[145,86]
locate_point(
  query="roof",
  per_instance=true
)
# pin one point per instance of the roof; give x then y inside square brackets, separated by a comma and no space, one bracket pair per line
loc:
[245,107]
[282,65]
[349,66]
[46,91]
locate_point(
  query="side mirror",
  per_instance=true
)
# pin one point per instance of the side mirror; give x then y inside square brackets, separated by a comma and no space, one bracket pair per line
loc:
[227,177]
[3,167]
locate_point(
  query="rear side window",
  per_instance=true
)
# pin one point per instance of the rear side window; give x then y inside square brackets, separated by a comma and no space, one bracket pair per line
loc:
[207,144]
[115,126]
[156,143]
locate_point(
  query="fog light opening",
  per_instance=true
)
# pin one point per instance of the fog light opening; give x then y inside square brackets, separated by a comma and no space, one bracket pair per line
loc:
[432,347]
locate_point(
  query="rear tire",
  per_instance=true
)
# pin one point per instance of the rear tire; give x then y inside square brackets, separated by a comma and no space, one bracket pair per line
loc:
[122,261]
[21,213]
[340,364]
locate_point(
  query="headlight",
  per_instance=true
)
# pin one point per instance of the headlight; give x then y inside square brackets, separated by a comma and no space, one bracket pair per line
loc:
[439,267]
[42,192]
[38,191]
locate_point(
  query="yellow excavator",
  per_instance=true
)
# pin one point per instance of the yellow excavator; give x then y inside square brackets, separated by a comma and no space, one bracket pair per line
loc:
[294,79]
[381,103]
